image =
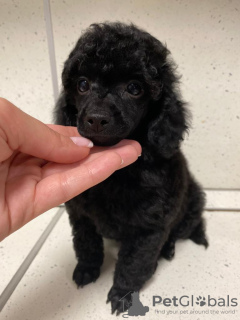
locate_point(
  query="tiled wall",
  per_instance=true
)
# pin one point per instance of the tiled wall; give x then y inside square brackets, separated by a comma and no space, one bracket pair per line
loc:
[203,37]
[25,77]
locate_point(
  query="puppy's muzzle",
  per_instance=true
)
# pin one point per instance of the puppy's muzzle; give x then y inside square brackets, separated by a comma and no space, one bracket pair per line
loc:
[96,122]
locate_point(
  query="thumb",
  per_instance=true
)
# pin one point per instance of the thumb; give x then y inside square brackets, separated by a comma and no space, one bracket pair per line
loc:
[21,132]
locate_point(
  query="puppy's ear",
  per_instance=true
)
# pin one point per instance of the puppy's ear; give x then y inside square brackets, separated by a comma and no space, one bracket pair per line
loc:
[70,72]
[65,112]
[168,125]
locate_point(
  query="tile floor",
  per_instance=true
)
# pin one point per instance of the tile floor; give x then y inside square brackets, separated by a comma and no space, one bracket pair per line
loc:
[46,291]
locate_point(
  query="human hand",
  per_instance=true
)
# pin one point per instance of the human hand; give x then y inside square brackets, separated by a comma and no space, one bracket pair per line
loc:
[41,167]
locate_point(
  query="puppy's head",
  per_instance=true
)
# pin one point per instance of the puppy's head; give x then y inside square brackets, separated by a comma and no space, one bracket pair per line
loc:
[120,85]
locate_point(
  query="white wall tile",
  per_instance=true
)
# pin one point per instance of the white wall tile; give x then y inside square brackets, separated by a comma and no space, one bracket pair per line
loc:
[204,39]
[25,76]
[202,36]
[226,199]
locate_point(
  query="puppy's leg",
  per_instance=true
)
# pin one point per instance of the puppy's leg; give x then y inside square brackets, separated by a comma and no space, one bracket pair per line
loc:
[137,261]
[88,245]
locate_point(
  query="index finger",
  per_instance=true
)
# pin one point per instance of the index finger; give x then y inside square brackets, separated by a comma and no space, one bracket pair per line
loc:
[66,131]
[21,132]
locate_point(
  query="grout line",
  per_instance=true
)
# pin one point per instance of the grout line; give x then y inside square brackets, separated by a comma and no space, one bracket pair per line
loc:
[222,189]
[205,209]
[51,49]
[213,208]
[223,209]
[7,292]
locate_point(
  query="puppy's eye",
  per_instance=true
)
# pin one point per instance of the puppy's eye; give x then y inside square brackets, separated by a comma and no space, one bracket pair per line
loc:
[83,85]
[134,89]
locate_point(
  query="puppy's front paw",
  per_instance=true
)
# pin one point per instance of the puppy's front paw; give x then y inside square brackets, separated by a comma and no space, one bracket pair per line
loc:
[120,300]
[83,275]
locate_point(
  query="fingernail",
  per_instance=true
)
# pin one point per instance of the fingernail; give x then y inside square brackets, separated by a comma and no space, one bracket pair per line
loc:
[122,162]
[82,142]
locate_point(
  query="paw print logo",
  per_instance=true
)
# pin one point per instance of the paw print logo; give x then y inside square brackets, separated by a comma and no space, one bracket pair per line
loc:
[128,304]
[201,301]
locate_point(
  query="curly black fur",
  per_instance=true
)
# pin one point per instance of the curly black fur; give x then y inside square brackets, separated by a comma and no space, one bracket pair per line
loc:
[152,203]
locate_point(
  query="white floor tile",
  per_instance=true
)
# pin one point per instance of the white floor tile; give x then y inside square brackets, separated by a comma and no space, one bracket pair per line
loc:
[47,291]
[15,248]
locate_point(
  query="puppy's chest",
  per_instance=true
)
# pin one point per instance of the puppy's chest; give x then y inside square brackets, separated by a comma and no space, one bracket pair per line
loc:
[119,205]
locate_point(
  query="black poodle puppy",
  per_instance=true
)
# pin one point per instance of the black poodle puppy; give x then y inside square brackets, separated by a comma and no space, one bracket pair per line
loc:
[119,82]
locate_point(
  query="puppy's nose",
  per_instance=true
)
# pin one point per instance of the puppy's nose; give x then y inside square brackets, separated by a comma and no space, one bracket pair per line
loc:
[97,123]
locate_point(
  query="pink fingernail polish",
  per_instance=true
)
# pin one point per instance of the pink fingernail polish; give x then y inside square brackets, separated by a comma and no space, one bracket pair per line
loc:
[82,142]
